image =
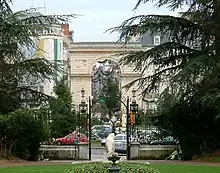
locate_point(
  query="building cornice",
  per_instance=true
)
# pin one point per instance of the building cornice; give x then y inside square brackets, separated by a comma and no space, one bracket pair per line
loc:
[89,75]
[103,47]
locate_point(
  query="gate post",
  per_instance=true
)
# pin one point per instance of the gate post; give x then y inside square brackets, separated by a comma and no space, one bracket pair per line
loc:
[90,127]
[127,129]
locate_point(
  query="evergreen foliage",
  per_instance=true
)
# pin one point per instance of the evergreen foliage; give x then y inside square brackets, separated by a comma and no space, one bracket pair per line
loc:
[21,130]
[187,66]
[20,134]
[111,94]
[63,116]
[18,32]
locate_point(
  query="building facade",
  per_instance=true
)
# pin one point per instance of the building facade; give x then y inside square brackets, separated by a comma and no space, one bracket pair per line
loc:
[51,46]
[84,56]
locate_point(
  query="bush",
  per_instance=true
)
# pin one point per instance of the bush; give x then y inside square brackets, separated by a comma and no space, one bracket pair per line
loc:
[23,134]
[102,168]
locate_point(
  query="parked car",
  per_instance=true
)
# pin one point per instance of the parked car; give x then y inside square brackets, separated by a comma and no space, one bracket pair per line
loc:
[71,139]
[120,142]
[101,131]
[169,140]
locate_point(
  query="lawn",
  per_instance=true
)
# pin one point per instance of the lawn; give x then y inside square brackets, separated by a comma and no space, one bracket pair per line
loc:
[96,143]
[164,168]
[36,169]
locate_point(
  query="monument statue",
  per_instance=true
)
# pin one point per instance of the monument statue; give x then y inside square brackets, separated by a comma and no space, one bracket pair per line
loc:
[110,155]
[110,144]
[109,147]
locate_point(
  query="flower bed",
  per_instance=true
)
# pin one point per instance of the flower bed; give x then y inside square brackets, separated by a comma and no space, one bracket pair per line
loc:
[103,168]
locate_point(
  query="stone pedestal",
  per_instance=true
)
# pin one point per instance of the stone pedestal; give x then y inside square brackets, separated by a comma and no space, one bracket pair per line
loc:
[114,169]
[114,158]
[134,150]
[83,150]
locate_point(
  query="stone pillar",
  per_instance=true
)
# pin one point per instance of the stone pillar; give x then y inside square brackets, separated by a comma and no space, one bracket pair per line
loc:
[134,150]
[83,150]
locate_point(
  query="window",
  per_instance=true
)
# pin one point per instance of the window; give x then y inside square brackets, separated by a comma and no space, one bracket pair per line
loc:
[70,136]
[157,40]
[119,138]
[41,89]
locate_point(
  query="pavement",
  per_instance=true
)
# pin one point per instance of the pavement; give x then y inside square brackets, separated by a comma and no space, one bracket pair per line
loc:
[98,152]
[4,163]
[97,156]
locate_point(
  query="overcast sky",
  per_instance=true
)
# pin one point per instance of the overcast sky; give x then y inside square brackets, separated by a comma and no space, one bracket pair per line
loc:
[97,15]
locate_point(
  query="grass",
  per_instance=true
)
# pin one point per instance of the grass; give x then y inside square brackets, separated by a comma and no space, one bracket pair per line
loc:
[215,159]
[163,168]
[36,169]
[96,143]
[166,168]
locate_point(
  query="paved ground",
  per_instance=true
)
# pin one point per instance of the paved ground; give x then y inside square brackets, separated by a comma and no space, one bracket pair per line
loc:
[97,156]
[4,163]
[98,152]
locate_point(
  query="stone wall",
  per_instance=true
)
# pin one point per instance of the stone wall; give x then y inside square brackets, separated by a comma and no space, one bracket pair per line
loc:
[55,152]
[151,152]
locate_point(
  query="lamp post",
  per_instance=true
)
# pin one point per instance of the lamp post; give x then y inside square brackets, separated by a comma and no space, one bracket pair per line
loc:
[127,128]
[133,105]
[90,127]
[83,110]
[133,109]
[82,105]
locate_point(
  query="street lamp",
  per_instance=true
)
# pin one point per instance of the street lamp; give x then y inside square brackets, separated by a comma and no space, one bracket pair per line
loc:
[133,109]
[83,110]
[83,105]
[133,105]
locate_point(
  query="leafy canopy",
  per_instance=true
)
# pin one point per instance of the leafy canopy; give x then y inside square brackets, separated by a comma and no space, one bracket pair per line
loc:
[181,63]
[187,66]
[63,116]
[19,31]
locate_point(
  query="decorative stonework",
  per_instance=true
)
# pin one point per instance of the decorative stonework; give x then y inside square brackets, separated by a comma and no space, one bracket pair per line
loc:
[83,56]
[80,63]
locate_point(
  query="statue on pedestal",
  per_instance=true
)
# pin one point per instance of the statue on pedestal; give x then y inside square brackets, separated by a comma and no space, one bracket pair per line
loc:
[109,147]
[110,144]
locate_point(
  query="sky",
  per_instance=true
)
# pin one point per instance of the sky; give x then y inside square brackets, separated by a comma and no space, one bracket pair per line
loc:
[96,16]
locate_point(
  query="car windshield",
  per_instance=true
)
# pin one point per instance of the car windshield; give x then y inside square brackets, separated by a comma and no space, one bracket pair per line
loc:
[108,129]
[70,136]
[118,137]
[74,135]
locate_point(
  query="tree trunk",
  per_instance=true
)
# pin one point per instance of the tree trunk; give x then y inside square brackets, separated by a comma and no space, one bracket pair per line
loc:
[113,127]
[113,123]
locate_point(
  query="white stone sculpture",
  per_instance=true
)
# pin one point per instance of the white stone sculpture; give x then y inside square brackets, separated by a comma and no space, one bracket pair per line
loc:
[110,144]
[109,147]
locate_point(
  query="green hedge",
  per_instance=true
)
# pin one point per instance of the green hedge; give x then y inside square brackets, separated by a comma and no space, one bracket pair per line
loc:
[20,134]
[103,168]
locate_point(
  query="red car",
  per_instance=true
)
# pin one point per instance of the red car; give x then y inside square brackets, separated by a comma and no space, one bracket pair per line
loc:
[71,139]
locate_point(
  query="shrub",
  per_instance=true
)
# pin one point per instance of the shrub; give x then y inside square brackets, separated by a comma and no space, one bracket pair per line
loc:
[102,168]
[23,134]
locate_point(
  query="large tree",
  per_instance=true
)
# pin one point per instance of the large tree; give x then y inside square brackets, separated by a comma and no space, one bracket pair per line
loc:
[63,116]
[18,31]
[187,65]
[111,95]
